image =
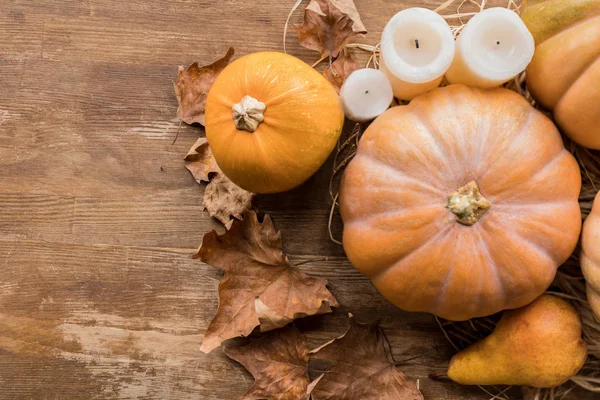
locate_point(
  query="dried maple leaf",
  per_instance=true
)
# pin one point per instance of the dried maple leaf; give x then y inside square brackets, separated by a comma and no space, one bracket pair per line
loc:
[362,368]
[222,198]
[192,86]
[260,286]
[279,364]
[340,69]
[329,25]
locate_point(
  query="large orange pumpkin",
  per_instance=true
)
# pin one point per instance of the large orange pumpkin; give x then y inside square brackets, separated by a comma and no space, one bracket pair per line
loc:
[564,74]
[271,121]
[590,256]
[462,203]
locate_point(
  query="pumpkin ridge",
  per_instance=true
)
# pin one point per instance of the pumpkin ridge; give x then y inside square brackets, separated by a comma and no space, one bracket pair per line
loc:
[592,268]
[272,101]
[439,173]
[421,118]
[443,289]
[530,275]
[397,211]
[394,265]
[245,85]
[481,303]
[498,195]
[491,155]
[577,78]
[561,153]
[387,132]
[484,128]
[399,173]
[268,158]
[538,250]
[590,257]
[494,266]
[512,203]
[545,224]
[540,220]
[222,101]
[430,225]
[537,269]
[436,137]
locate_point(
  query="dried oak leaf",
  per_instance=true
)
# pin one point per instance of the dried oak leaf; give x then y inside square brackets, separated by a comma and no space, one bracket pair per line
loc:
[192,86]
[361,368]
[328,25]
[340,69]
[260,286]
[222,198]
[279,364]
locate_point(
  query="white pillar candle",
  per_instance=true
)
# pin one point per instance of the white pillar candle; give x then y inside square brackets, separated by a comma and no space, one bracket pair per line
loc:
[494,47]
[365,94]
[417,47]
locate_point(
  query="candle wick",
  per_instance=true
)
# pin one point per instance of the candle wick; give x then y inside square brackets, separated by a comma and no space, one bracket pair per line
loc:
[497,42]
[417,43]
[366,92]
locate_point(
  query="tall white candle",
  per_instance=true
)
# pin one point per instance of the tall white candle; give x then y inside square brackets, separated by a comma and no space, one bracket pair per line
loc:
[494,46]
[365,94]
[417,47]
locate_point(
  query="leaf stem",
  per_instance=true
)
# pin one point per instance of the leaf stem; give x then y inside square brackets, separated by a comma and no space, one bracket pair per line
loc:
[319,61]
[177,134]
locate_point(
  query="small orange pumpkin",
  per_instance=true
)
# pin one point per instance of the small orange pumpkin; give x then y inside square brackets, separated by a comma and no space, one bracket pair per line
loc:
[590,256]
[462,203]
[564,74]
[271,121]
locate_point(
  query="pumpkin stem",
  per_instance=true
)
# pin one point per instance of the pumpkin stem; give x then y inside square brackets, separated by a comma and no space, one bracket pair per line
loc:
[248,113]
[468,204]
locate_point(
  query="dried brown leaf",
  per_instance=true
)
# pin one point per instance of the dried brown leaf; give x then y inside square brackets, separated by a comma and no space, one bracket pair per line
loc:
[201,162]
[260,286]
[362,368]
[222,198]
[192,86]
[328,25]
[340,69]
[279,364]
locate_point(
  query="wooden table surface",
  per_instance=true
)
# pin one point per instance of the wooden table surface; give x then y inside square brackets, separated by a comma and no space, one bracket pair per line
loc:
[99,295]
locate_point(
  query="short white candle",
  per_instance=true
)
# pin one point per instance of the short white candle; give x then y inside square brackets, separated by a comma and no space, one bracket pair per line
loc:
[494,47]
[417,47]
[365,94]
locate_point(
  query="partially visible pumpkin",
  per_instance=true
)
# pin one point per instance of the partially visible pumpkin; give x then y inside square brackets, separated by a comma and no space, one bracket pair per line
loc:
[590,256]
[271,121]
[462,203]
[564,75]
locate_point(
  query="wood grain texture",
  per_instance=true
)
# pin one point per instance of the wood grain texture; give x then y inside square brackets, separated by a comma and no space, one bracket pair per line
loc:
[99,296]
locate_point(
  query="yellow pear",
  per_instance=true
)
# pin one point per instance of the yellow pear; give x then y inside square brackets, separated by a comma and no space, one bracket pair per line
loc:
[539,345]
